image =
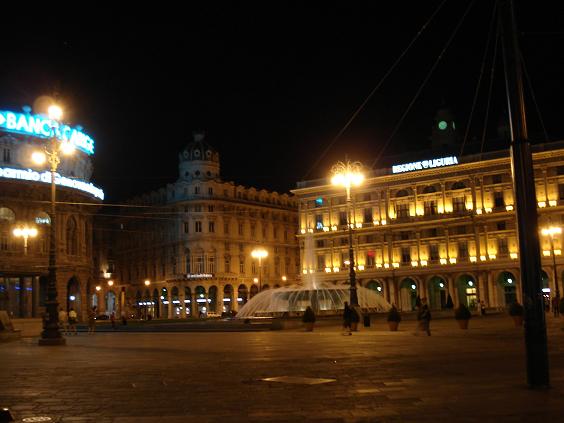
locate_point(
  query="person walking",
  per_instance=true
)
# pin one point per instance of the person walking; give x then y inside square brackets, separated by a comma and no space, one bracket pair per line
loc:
[123,318]
[72,321]
[113,320]
[347,319]
[92,320]
[424,319]
[64,321]
[556,306]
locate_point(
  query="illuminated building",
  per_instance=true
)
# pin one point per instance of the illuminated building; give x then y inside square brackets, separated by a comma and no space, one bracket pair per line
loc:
[25,202]
[439,226]
[193,241]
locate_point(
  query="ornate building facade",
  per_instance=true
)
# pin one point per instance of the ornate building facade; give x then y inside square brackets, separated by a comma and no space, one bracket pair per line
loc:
[185,249]
[25,197]
[436,228]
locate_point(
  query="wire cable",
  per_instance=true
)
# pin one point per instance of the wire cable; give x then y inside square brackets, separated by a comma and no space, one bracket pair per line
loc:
[490,90]
[533,97]
[479,83]
[376,88]
[429,74]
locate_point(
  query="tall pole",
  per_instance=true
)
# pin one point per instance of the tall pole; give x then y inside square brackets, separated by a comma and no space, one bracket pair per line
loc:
[51,334]
[260,274]
[557,290]
[526,210]
[352,273]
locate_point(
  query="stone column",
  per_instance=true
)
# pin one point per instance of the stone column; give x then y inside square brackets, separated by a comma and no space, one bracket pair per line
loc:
[194,305]
[35,297]
[170,305]
[388,289]
[181,298]
[451,290]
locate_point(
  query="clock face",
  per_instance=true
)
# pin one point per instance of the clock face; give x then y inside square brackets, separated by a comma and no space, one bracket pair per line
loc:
[442,125]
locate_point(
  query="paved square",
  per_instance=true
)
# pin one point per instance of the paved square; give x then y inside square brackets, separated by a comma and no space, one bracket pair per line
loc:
[472,376]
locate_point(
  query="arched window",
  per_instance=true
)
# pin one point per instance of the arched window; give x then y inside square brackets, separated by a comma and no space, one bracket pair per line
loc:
[429,189]
[7,215]
[458,185]
[402,193]
[72,237]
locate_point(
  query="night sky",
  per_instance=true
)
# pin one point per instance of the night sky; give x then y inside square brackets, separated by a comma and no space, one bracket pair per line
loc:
[271,83]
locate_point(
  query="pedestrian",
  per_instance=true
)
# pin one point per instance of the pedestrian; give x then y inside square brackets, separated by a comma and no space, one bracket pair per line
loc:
[123,318]
[72,321]
[482,308]
[113,320]
[424,319]
[556,306]
[92,320]
[347,319]
[63,321]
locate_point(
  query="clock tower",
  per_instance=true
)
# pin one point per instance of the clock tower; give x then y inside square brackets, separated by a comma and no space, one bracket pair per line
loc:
[444,134]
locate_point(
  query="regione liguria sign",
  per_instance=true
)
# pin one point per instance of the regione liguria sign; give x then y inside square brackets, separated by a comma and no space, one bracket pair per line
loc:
[42,127]
[425,164]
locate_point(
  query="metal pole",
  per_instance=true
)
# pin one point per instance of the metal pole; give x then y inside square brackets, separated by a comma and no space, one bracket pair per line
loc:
[526,204]
[260,274]
[557,291]
[352,274]
[51,334]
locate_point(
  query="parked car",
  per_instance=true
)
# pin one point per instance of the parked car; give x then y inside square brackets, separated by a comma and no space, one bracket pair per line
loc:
[102,317]
[211,315]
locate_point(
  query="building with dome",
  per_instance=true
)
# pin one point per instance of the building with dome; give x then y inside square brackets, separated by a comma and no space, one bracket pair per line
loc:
[25,202]
[185,249]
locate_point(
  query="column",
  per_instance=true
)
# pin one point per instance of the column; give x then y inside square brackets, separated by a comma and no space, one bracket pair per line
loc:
[194,305]
[234,296]
[35,296]
[494,291]
[481,291]
[451,290]
[170,305]
[181,298]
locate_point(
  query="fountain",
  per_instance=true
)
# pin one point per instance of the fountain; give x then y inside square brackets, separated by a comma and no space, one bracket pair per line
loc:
[326,298]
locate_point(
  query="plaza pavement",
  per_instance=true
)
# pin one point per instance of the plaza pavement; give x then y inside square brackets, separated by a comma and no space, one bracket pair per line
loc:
[377,376]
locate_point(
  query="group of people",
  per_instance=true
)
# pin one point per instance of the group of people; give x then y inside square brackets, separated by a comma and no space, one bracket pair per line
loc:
[67,321]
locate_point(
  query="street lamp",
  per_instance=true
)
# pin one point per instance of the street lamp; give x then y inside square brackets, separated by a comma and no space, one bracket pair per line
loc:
[259,253]
[25,233]
[347,175]
[51,334]
[147,282]
[551,233]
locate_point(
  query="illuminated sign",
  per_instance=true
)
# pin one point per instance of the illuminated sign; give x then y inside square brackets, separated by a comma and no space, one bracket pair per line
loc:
[43,127]
[425,164]
[45,177]
[42,220]
[199,276]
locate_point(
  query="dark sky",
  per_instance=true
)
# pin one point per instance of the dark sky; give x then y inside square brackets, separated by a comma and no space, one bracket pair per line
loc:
[270,82]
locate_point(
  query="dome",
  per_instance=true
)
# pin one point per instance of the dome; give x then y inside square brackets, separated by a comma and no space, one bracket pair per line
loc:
[198,160]
[199,150]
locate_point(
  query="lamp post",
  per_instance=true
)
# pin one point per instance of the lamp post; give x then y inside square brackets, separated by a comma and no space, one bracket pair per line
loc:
[25,232]
[347,175]
[51,334]
[551,232]
[259,253]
